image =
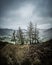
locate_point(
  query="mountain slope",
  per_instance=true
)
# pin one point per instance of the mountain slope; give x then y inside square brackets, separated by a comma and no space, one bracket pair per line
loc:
[40,54]
[45,34]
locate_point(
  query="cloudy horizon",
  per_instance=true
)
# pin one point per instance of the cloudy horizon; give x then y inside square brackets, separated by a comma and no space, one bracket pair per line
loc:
[15,13]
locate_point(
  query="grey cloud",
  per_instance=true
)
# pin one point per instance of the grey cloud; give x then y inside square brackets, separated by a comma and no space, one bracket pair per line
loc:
[43,10]
[44,7]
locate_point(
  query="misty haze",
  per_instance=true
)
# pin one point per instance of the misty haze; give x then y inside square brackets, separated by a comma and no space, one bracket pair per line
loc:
[25,32]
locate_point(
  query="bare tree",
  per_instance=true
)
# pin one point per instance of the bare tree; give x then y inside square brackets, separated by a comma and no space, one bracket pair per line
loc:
[13,37]
[33,33]
[20,36]
[30,32]
[36,35]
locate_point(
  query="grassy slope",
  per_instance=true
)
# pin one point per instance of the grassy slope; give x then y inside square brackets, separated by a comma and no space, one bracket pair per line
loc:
[27,54]
[2,44]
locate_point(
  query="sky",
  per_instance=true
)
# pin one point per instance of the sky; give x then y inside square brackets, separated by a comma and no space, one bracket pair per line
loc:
[15,13]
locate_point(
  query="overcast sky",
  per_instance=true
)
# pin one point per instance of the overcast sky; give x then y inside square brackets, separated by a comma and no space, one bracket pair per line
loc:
[15,13]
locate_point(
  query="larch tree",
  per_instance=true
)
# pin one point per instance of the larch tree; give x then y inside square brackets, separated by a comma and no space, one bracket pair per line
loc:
[20,36]
[30,32]
[13,36]
[33,33]
[36,34]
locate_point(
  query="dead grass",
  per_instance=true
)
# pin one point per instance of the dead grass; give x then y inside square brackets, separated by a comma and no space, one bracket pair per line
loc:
[27,54]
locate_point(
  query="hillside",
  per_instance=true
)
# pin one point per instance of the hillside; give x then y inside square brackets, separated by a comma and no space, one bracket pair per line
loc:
[3,44]
[6,34]
[40,54]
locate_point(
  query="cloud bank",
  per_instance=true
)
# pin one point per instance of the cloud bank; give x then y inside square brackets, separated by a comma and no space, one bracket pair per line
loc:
[15,13]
